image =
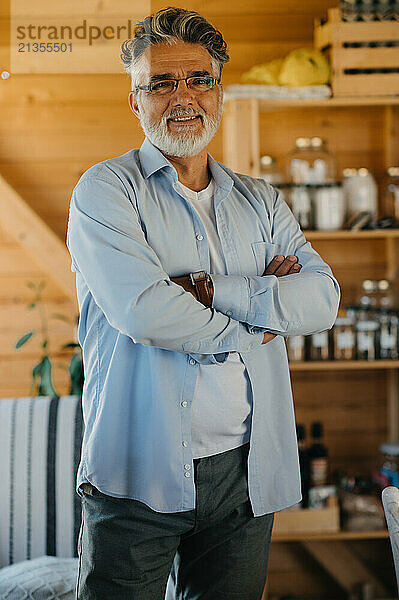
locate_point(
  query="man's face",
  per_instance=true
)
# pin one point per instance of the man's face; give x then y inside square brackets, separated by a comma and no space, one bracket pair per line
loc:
[156,112]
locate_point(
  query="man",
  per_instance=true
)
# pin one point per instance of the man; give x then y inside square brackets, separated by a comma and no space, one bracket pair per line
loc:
[189,445]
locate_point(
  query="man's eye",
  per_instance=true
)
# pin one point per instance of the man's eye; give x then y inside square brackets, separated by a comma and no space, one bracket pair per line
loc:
[200,80]
[161,85]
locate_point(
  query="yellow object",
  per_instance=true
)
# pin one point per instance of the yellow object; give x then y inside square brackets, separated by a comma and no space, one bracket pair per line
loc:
[266,73]
[304,66]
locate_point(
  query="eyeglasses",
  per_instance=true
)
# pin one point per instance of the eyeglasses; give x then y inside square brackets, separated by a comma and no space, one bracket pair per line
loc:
[167,86]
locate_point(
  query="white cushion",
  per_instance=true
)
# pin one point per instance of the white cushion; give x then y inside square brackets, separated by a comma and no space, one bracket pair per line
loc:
[43,578]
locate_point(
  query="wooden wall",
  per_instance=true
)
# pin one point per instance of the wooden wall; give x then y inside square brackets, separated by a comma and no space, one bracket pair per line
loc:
[53,127]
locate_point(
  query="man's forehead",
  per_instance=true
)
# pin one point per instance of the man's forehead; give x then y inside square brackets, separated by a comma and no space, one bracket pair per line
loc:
[163,58]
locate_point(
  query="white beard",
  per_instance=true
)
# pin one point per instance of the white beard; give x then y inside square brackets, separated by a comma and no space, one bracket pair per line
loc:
[184,143]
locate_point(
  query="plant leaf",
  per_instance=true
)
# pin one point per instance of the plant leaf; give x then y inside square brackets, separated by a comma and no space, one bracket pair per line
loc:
[44,344]
[31,285]
[70,345]
[22,340]
[61,317]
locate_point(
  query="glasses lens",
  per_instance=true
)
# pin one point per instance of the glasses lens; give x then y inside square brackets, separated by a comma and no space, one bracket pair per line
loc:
[163,87]
[200,84]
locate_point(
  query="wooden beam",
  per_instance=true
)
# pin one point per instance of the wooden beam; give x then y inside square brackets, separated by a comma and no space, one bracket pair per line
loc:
[32,233]
[241,136]
[344,566]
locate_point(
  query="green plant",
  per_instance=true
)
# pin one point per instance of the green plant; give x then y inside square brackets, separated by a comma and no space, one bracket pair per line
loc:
[42,379]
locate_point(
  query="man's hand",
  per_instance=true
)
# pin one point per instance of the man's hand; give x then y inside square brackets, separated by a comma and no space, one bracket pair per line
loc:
[186,284]
[279,267]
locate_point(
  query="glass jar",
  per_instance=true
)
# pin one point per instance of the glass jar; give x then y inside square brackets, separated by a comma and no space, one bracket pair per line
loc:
[269,171]
[390,467]
[369,293]
[310,162]
[367,333]
[391,195]
[319,349]
[361,192]
[344,339]
[296,348]
[329,207]
[300,201]
[384,294]
[349,10]
[388,342]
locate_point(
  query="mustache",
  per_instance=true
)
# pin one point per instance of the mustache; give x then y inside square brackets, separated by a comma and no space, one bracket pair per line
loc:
[184,112]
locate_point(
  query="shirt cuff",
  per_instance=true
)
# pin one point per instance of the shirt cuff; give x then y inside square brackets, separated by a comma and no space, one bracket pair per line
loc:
[231,295]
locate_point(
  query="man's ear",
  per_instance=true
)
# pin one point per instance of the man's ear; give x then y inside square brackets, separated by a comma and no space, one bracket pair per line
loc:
[132,100]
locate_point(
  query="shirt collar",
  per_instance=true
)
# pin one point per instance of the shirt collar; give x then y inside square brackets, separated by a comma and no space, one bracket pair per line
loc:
[152,160]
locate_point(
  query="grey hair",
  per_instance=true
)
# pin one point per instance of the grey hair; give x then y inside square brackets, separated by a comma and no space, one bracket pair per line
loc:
[167,26]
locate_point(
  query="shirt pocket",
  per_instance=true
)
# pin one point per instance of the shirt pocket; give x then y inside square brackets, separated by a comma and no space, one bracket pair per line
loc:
[264,252]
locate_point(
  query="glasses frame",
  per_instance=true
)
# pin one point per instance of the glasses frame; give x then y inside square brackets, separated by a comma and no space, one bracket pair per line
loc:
[148,87]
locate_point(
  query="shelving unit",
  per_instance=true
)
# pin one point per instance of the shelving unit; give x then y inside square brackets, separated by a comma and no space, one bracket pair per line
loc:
[241,147]
[378,534]
[343,250]
[344,365]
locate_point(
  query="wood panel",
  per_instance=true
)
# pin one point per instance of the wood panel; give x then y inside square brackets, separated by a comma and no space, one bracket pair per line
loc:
[205,7]
[14,288]
[353,408]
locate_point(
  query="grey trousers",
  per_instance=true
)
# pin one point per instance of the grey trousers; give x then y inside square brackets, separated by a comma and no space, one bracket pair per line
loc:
[217,551]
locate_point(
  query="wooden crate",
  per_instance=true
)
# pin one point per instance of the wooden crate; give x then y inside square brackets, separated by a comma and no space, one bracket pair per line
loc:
[348,63]
[308,520]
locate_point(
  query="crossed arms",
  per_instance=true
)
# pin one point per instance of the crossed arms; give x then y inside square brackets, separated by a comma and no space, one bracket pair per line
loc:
[279,266]
[128,282]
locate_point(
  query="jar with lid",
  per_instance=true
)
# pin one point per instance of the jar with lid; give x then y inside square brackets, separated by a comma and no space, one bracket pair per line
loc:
[390,467]
[361,192]
[311,162]
[344,338]
[329,206]
[384,294]
[369,293]
[269,170]
[319,346]
[391,195]
[296,348]
[367,334]
[388,343]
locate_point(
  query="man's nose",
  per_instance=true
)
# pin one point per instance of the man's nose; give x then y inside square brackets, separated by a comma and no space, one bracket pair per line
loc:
[182,92]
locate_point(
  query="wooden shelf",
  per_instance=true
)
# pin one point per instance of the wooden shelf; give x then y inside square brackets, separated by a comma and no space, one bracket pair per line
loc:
[336,365]
[281,104]
[339,536]
[352,235]
[265,105]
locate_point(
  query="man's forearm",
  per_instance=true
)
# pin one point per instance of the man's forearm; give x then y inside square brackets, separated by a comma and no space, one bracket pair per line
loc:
[279,266]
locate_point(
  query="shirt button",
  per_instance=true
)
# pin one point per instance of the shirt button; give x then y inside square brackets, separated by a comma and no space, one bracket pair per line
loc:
[185,444]
[229,313]
[192,361]
[184,403]
[200,237]
[187,467]
[250,346]
[187,474]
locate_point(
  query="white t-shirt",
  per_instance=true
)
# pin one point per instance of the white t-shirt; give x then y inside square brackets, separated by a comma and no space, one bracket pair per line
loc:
[221,408]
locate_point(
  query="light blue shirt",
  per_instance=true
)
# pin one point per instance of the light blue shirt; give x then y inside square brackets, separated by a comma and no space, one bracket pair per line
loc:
[143,336]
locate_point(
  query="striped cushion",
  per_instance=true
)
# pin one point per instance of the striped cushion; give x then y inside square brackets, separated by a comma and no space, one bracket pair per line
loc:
[40,444]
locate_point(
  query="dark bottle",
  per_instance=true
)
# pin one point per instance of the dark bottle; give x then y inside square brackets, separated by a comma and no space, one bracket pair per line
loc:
[318,457]
[303,463]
